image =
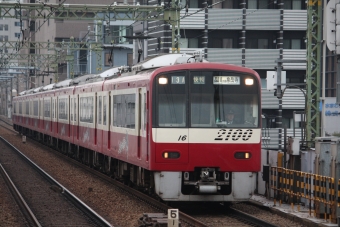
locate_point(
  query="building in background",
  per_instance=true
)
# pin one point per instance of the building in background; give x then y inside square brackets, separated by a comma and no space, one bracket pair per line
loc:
[247,33]
[10,30]
[74,55]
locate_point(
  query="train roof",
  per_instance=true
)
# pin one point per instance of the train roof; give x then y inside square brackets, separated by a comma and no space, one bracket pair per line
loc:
[80,79]
[148,64]
[48,87]
[64,83]
[167,60]
[110,72]
[38,89]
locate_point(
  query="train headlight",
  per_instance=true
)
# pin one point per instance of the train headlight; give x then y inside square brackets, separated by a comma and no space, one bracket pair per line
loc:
[171,155]
[163,80]
[249,81]
[242,155]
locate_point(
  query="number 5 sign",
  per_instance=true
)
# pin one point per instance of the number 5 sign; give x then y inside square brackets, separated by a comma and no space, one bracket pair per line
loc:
[172,217]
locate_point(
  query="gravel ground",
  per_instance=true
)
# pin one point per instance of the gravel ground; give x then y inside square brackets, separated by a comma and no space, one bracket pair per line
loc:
[267,216]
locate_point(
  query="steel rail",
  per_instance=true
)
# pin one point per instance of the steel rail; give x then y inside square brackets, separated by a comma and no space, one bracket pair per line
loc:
[251,219]
[96,218]
[26,210]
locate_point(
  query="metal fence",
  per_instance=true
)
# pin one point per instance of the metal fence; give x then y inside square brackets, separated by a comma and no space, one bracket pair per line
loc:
[293,186]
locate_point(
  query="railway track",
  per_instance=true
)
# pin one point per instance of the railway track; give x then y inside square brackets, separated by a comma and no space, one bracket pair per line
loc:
[249,219]
[32,189]
[25,210]
[185,219]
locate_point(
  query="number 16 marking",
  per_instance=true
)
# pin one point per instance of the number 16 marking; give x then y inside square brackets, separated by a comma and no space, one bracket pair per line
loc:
[183,138]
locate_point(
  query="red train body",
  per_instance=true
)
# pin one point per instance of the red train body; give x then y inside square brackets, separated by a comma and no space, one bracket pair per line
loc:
[160,127]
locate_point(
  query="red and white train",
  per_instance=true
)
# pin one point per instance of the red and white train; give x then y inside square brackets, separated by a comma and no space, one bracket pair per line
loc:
[159,125]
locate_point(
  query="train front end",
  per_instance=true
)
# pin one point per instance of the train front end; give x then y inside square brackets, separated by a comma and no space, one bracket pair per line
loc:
[197,153]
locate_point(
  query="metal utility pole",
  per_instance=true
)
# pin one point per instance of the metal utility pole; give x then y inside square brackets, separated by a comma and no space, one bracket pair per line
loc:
[279,70]
[243,32]
[205,31]
[314,37]
[172,16]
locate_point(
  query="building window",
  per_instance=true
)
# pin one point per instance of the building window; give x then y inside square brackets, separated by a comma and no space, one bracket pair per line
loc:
[17,35]
[251,43]
[293,4]
[108,59]
[258,4]
[6,38]
[262,44]
[257,43]
[188,43]
[292,44]
[195,3]
[221,43]
[1,27]
[6,27]
[183,43]
[18,24]
[263,83]
[227,4]
[114,34]
[32,26]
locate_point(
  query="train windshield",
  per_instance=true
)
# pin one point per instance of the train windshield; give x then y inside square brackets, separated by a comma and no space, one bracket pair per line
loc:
[206,99]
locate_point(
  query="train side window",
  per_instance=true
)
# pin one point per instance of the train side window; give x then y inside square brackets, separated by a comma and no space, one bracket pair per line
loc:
[71,111]
[75,109]
[27,108]
[20,107]
[145,113]
[117,110]
[47,106]
[99,110]
[41,110]
[63,107]
[130,110]
[35,108]
[90,109]
[124,111]
[86,108]
[104,110]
